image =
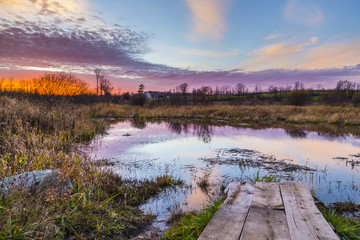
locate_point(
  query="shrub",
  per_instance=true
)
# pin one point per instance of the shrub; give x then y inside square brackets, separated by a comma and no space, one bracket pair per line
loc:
[138,99]
[298,97]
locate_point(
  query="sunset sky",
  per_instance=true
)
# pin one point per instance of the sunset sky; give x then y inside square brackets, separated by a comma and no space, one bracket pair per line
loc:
[163,43]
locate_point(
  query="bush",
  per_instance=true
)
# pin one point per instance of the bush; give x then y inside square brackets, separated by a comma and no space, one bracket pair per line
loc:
[356,99]
[176,100]
[138,99]
[298,97]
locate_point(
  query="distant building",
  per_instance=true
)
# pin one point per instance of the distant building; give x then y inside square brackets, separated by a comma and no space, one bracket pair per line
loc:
[156,95]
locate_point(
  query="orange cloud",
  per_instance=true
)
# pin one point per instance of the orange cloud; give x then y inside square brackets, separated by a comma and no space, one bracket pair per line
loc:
[330,55]
[309,55]
[279,55]
[208,18]
[28,8]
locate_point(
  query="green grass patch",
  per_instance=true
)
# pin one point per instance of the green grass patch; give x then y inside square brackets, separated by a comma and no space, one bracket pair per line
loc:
[190,225]
[346,228]
[265,178]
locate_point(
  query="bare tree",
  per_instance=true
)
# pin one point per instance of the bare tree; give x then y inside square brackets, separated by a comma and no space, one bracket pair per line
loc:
[2,83]
[105,86]
[59,84]
[99,75]
[240,89]
[25,86]
[183,89]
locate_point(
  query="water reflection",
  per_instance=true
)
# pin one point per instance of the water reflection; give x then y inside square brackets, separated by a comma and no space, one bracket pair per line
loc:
[296,133]
[139,124]
[178,127]
[203,131]
[192,150]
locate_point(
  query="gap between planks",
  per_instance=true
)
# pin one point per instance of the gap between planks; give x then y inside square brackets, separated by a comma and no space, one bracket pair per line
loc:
[268,211]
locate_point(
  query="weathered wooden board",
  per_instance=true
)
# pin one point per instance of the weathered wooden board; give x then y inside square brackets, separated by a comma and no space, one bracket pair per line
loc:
[228,221]
[237,215]
[304,219]
[265,223]
[267,195]
[268,211]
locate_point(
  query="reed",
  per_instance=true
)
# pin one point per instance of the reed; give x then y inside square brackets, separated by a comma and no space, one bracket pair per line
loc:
[265,113]
[37,135]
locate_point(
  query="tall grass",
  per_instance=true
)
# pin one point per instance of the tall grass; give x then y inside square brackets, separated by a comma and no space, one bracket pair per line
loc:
[192,224]
[262,113]
[265,178]
[37,135]
[346,228]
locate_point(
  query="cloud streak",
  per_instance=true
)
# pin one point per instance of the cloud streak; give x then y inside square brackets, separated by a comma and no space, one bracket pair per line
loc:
[208,18]
[304,13]
[209,53]
[277,55]
[312,54]
[51,39]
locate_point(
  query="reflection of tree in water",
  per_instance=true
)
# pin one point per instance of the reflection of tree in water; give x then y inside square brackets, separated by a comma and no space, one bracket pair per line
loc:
[177,127]
[203,131]
[138,124]
[333,136]
[296,133]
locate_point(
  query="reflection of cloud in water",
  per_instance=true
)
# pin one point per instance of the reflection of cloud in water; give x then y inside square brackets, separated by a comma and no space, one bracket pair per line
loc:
[178,146]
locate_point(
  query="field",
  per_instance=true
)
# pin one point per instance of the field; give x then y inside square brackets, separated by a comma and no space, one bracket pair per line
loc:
[258,114]
[41,134]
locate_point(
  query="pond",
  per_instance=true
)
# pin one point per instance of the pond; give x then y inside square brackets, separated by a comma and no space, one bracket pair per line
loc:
[325,158]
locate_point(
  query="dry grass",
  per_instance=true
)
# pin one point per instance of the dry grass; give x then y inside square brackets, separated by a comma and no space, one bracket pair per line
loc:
[266,114]
[42,135]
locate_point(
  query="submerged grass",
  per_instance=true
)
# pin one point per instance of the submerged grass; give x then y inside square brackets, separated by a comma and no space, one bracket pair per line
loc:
[37,135]
[265,178]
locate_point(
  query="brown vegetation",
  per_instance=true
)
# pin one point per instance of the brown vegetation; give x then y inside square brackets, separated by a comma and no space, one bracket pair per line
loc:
[36,136]
[260,114]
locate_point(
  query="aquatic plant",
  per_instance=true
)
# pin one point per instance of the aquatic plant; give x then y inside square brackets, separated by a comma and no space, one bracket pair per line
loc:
[204,182]
[266,178]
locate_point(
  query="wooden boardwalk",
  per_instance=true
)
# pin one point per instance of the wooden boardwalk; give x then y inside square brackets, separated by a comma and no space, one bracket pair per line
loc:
[268,211]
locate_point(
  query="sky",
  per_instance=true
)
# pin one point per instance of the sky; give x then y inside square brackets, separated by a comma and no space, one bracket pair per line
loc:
[164,43]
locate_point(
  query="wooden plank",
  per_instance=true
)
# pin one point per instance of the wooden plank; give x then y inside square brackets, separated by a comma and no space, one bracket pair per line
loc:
[229,222]
[215,225]
[306,201]
[238,213]
[219,219]
[304,219]
[265,223]
[267,194]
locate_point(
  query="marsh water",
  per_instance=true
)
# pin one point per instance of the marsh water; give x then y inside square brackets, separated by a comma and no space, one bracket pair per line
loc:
[325,158]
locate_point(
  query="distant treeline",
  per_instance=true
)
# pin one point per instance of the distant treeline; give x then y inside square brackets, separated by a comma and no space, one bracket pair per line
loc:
[53,86]
[345,92]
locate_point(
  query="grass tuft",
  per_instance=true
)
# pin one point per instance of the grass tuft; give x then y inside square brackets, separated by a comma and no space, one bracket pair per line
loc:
[266,178]
[190,225]
[347,229]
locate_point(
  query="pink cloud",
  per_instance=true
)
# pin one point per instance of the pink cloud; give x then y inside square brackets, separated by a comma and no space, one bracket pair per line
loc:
[208,18]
